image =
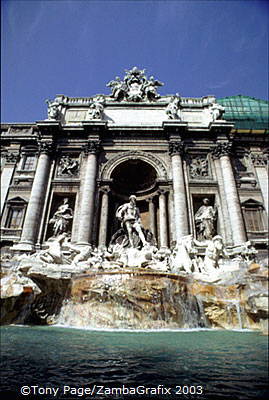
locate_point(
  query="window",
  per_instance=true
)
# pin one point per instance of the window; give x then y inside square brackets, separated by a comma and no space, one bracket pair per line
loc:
[14,218]
[15,213]
[253,215]
[29,163]
[254,220]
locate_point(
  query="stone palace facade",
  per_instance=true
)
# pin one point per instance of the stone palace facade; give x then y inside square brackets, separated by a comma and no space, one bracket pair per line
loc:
[171,152]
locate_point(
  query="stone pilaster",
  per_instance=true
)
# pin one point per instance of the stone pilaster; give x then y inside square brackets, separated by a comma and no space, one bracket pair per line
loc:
[7,174]
[180,201]
[222,151]
[91,150]
[152,220]
[36,202]
[260,162]
[163,218]
[103,216]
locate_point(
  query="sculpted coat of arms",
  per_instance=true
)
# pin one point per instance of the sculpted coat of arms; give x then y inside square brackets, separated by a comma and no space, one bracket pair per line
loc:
[135,86]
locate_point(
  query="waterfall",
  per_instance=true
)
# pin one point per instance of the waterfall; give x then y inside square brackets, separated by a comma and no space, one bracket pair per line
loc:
[234,304]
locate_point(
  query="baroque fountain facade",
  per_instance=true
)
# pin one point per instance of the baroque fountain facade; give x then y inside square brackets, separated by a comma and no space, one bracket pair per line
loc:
[132,210]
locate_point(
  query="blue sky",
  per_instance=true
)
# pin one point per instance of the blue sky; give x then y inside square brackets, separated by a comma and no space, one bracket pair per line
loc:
[75,47]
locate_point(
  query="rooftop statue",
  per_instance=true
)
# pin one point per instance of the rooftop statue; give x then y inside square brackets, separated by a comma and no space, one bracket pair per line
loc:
[134,87]
[173,107]
[213,112]
[118,89]
[216,111]
[96,108]
[53,109]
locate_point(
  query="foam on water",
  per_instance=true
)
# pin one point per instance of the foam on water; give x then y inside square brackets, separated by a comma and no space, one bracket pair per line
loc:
[183,330]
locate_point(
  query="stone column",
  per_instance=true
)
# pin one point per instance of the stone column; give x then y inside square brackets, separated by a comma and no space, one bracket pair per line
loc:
[222,152]
[171,216]
[163,218]
[37,197]
[180,202]
[152,221]
[103,216]
[261,168]
[6,175]
[224,204]
[88,193]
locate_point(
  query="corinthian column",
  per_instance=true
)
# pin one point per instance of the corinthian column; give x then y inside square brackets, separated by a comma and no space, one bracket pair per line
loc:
[180,202]
[36,201]
[163,218]
[103,217]
[88,193]
[222,152]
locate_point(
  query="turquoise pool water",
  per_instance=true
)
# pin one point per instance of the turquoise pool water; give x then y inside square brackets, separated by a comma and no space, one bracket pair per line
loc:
[66,363]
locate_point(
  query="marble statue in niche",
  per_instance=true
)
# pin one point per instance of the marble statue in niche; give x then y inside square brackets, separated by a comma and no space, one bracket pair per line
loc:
[132,233]
[205,221]
[129,216]
[62,218]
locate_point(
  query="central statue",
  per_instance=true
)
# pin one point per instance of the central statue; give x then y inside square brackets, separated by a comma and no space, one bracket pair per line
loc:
[129,216]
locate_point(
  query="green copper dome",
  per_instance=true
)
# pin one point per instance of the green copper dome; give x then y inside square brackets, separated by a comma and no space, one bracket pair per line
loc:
[246,112]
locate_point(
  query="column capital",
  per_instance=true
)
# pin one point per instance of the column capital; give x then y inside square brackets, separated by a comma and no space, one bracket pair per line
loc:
[92,147]
[222,149]
[104,189]
[162,191]
[176,147]
[46,147]
[11,158]
[259,159]
[150,199]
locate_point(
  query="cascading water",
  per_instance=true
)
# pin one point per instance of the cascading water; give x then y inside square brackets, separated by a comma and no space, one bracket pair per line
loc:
[127,300]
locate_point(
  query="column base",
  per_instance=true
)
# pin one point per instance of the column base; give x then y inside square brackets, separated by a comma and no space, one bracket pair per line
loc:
[23,247]
[82,244]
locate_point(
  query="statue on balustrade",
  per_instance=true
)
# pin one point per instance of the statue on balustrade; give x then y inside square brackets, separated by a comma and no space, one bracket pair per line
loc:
[131,233]
[205,221]
[149,88]
[118,88]
[216,111]
[53,109]
[96,108]
[62,218]
[173,107]
[135,87]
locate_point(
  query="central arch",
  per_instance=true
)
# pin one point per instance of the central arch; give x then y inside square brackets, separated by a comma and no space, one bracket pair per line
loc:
[133,177]
[154,161]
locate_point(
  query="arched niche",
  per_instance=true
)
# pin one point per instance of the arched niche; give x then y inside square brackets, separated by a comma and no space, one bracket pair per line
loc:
[132,173]
[154,161]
